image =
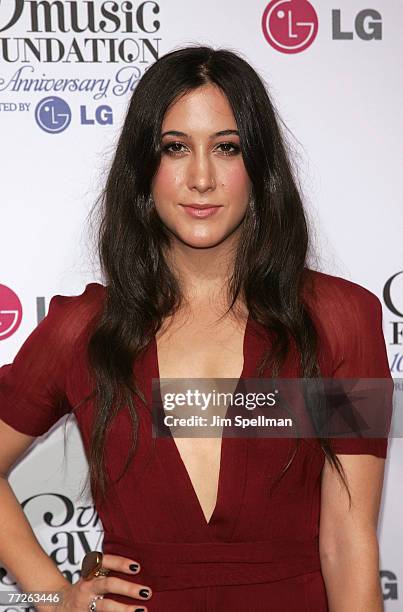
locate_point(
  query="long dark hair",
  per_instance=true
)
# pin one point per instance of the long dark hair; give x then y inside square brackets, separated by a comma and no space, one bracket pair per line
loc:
[141,290]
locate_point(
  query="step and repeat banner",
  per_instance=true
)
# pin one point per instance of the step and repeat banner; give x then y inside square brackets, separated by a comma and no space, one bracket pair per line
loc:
[67,70]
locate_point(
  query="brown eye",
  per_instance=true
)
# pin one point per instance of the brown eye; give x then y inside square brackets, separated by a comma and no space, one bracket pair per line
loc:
[170,148]
[235,149]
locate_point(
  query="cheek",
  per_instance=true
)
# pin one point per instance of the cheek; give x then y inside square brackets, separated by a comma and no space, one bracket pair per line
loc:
[235,182]
[166,182]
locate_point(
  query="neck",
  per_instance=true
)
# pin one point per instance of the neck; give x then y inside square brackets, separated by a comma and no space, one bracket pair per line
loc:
[203,273]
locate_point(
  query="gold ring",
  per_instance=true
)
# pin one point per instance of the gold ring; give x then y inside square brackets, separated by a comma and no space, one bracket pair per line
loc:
[91,566]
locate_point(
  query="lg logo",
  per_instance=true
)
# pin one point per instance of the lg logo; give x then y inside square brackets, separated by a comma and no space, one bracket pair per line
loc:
[53,115]
[291,26]
[389,584]
[367,26]
[10,312]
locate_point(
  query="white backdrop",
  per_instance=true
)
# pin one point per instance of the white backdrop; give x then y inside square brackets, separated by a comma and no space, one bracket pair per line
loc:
[333,71]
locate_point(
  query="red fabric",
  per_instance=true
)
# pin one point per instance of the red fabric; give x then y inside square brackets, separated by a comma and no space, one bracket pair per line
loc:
[258,551]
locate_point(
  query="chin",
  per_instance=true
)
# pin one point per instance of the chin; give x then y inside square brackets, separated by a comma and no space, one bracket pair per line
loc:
[202,243]
[201,240]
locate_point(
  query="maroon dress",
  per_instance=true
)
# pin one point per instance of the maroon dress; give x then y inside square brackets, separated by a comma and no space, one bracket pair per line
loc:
[257,552]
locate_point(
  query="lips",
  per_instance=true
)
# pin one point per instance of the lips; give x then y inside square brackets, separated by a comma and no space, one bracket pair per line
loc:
[202,206]
[201,211]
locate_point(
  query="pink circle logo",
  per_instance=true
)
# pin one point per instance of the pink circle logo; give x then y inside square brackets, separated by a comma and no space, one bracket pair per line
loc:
[290,26]
[10,312]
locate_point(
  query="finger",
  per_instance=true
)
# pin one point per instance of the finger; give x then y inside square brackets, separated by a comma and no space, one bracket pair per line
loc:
[88,589]
[120,564]
[111,584]
[107,605]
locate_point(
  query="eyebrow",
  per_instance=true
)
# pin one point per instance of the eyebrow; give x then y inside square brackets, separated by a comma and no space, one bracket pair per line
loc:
[183,135]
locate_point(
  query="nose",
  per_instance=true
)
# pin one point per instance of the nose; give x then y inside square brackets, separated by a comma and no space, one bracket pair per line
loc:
[201,173]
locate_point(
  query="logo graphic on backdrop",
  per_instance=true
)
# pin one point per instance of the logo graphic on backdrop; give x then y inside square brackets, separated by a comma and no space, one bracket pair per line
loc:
[367,26]
[67,53]
[389,585]
[392,297]
[10,312]
[290,26]
[53,115]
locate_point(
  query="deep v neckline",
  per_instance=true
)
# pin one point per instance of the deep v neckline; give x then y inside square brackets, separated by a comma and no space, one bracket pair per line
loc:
[228,459]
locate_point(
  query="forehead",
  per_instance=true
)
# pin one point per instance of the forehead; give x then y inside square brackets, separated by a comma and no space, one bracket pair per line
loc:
[199,110]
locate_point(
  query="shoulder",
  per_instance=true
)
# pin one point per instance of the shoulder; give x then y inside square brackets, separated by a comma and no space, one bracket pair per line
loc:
[335,300]
[348,318]
[70,316]
[87,303]
[323,290]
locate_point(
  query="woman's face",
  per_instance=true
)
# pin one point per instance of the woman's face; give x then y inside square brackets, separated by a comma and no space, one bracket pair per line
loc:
[200,165]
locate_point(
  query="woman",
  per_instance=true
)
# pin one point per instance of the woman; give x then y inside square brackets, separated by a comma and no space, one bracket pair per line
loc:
[203,243]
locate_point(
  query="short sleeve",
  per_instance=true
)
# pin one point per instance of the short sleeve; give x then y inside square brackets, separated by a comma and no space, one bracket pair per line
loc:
[362,353]
[33,387]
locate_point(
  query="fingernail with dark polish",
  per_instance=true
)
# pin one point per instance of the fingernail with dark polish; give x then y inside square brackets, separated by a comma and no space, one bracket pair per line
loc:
[144,592]
[140,610]
[134,567]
